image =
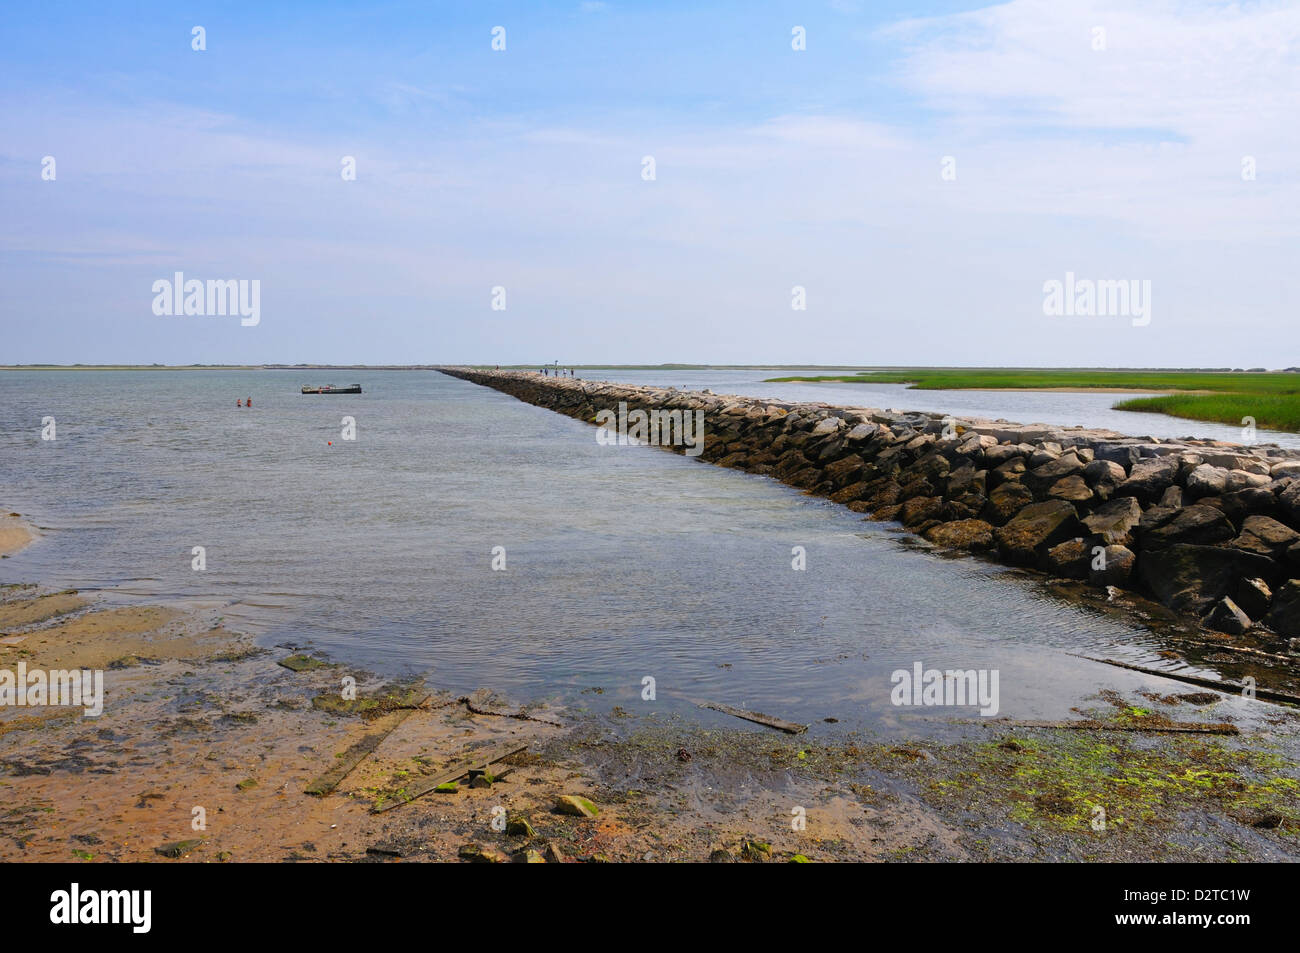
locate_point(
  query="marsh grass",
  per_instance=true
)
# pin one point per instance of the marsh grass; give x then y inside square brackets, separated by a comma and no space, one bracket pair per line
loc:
[1273,400]
[1271,411]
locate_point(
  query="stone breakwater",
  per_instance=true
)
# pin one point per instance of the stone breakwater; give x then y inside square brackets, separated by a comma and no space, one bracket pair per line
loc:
[1204,527]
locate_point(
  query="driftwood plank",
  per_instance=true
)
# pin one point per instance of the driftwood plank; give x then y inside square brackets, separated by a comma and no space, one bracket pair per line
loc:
[331,779]
[789,727]
[1176,727]
[482,759]
[1218,685]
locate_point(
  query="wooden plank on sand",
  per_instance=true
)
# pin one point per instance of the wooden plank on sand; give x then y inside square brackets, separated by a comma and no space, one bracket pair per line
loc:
[331,779]
[789,727]
[482,759]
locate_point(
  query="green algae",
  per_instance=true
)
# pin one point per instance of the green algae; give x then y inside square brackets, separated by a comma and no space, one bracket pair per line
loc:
[302,663]
[369,705]
[1090,782]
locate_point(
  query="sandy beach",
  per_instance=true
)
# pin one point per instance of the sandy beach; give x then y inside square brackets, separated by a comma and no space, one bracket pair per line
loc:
[202,728]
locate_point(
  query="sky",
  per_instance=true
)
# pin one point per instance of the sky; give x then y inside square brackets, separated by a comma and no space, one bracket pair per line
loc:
[915,176]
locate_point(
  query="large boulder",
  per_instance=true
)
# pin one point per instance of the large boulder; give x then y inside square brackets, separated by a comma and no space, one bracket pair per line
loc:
[885,493]
[1225,616]
[966,478]
[863,431]
[792,461]
[1006,501]
[915,486]
[1104,471]
[1113,568]
[1265,536]
[967,505]
[832,449]
[1289,501]
[1073,489]
[1254,597]
[1042,477]
[1242,503]
[1244,479]
[827,425]
[1044,454]
[1001,453]
[1012,469]
[1035,529]
[1071,559]
[1229,461]
[805,479]
[919,509]
[974,535]
[1124,454]
[1155,516]
[1115,520]
[845,470]
[1284,617]
[851,493]
[1149,478]
[1199,525]
[886,514]
[932,466]
[1191,578]
[1206,480]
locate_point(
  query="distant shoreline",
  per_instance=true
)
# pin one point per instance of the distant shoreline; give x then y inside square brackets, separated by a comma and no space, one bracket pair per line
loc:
[1268,399]
[424,367]
[611,367]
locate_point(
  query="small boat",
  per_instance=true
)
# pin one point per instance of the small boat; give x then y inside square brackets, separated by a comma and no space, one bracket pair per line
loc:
[331,389]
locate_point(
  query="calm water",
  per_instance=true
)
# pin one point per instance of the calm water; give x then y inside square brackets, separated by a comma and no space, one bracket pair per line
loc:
[622,562]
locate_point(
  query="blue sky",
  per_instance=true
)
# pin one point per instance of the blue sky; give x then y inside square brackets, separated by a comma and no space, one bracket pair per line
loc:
[775,168]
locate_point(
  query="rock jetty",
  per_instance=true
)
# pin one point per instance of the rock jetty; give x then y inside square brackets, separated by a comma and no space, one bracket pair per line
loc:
[1206,528]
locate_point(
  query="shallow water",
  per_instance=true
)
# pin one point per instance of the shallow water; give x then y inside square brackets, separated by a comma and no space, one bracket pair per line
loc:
[622,562]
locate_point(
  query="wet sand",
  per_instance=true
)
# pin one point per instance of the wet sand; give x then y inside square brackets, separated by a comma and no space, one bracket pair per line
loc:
[206,745]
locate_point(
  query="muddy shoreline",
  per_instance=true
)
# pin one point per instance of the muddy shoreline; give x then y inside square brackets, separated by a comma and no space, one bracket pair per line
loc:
[199,724]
